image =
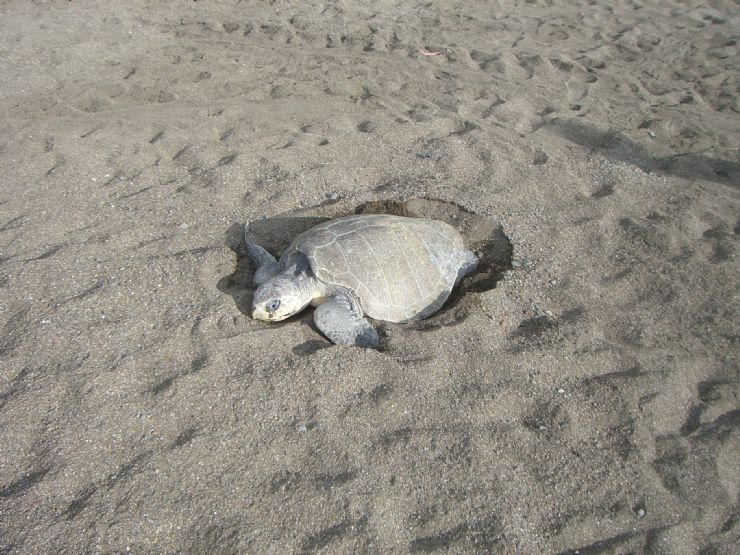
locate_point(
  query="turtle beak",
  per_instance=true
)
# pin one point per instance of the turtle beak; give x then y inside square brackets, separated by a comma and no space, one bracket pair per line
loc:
[262,314]
[258,314]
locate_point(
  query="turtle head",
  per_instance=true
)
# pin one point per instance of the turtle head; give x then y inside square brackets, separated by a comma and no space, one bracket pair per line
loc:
[279,298]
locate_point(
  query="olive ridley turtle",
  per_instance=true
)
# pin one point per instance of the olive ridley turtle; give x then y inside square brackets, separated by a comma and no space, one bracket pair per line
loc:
[387,267]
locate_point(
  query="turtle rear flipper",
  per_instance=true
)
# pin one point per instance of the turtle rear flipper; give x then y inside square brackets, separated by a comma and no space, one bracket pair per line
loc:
[469,265]
[341,320]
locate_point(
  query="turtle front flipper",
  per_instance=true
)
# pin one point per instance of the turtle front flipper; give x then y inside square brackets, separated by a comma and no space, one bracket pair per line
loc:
[267,266]
[341,319]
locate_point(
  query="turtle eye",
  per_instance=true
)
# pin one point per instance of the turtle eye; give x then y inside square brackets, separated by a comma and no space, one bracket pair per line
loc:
[272,306]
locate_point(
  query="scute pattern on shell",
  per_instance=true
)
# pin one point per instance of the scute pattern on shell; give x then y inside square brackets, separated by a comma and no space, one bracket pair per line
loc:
[400,268]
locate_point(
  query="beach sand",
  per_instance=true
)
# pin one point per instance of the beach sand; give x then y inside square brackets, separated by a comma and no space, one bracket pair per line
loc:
[579,394]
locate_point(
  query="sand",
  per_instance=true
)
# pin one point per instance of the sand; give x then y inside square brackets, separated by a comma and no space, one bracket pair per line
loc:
[581,394]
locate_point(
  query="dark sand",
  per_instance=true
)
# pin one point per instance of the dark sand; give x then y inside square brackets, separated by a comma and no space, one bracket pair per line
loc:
[581,395]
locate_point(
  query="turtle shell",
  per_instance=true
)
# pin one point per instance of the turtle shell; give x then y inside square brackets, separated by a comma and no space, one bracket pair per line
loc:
[400,268]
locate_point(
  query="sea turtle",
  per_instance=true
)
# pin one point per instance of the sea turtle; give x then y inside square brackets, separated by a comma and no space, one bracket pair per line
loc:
[387,267]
